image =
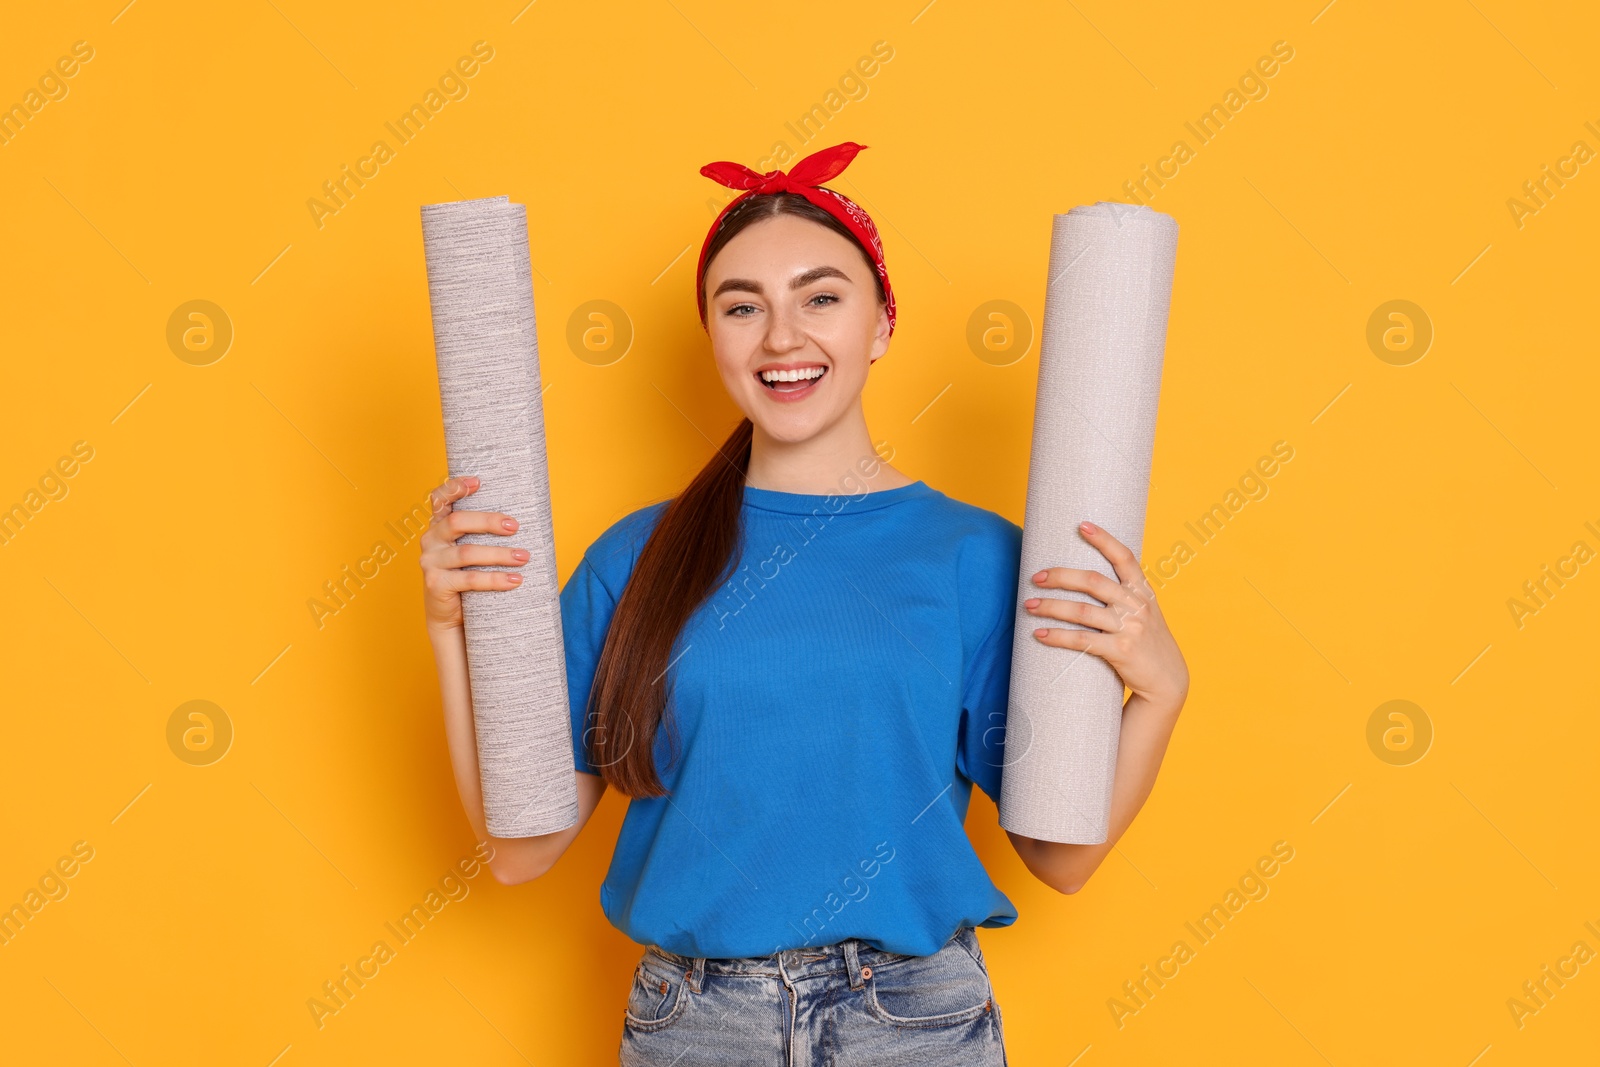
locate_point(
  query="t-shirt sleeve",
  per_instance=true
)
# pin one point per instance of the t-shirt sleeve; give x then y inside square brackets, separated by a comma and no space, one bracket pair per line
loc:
[980,750]
[586,609]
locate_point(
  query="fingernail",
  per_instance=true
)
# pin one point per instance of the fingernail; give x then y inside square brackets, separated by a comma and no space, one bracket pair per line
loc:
[1089,527]
[1032,602]
[515,578]
[1041,576]
[1040,633]
[520,555]
[510,524]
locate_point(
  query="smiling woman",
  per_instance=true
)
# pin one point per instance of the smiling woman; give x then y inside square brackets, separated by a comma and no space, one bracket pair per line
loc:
[775,764]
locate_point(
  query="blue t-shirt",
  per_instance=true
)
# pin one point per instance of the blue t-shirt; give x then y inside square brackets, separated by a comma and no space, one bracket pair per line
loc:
[834,702]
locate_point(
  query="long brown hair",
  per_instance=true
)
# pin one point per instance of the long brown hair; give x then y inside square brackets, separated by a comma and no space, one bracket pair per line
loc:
[691,551]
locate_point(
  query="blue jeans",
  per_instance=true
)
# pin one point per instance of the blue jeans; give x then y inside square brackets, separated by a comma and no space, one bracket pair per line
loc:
[841,1004]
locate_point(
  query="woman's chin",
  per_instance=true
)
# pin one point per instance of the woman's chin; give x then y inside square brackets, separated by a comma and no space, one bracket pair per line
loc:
[789,427]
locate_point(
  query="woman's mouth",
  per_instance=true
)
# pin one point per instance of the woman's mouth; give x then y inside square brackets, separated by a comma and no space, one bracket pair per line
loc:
[792,383]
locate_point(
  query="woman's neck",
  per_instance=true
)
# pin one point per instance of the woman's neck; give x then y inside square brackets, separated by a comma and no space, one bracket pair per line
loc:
[841,459]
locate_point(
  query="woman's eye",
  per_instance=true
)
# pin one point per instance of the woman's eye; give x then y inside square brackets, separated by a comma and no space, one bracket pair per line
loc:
[739,310]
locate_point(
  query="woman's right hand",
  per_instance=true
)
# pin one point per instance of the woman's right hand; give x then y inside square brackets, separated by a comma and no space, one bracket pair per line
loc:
[443,576]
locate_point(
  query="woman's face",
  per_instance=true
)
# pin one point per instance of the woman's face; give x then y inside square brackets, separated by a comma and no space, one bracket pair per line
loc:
[792,296]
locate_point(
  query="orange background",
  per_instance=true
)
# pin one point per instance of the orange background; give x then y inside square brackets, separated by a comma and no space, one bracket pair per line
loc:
[179,562]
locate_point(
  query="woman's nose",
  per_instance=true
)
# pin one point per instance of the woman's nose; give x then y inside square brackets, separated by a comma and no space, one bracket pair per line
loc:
[783,330]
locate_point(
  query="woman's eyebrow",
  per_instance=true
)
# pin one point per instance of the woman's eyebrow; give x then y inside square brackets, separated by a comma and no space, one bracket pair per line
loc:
[747,285]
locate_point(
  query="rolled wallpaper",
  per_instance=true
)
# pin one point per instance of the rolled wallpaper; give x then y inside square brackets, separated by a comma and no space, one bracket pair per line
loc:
[1100,355]
[480,286]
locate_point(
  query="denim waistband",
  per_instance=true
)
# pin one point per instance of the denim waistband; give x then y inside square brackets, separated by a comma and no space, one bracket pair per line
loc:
[846,957]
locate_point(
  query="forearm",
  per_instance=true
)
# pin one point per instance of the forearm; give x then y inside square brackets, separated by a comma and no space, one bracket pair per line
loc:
[1142,744]
[516,859]
[448,570]
[455,689]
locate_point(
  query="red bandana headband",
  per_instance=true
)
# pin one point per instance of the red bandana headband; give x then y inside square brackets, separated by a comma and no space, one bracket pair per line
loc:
[806,178]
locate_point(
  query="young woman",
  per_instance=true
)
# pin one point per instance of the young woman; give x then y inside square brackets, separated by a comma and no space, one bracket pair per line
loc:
[797,669]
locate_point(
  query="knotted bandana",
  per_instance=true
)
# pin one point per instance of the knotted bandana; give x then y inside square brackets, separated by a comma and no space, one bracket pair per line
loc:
[806,178]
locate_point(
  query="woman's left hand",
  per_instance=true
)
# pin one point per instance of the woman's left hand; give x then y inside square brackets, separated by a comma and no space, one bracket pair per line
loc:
[1128,632]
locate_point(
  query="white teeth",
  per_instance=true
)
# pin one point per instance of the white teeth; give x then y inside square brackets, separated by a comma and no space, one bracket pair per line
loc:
[799,374]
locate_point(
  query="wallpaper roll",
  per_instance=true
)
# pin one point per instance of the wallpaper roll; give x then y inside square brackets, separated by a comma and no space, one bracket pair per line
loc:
[480,285]
[1100,354]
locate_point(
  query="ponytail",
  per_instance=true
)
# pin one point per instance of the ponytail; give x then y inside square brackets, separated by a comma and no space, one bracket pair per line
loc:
[689,554]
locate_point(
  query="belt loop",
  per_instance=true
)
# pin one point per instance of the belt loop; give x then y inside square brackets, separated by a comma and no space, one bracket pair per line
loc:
[695,976]
[852,965]
[967,936]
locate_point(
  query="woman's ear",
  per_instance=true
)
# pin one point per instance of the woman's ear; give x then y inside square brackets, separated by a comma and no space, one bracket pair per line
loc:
[880,338]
